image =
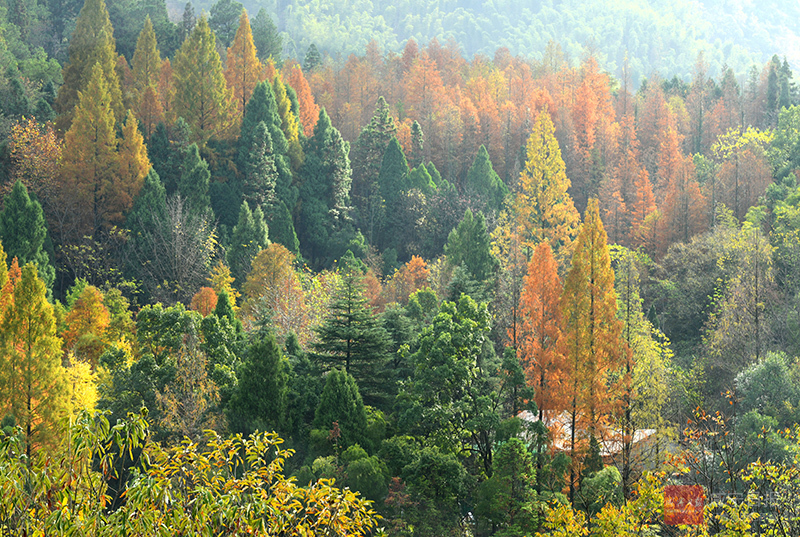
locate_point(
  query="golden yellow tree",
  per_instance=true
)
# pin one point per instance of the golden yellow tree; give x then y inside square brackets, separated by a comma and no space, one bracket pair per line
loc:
[243,69]
[544,208]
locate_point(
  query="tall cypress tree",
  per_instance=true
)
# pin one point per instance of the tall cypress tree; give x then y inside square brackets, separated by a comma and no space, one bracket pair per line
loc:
[194,181]
[23,232]
[202,96]
[483,186]
[248,238]
[393,183]
[91,43]
[260,399]
[33,381]
[267,39]
[324,225]
[260,173]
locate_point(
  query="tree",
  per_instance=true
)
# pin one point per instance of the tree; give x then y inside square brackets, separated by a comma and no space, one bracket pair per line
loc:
[312,58]
[483,186]
[23,232]
[248,238]
[173,250]
[469,245]
[224,15]
[367,156]
[308,109]
[33,379]
[90,148]
[393,184]
[340,418]
[324,227]
[353,337]
[260,399]
[543,207]
[591,332]
[202,97]
[92,43]
[289,125]
[204,301]
[541,351]
[273,293]
[194,181]
[85,326]
[450,399]
[146,74]
[267,39]
[243,70]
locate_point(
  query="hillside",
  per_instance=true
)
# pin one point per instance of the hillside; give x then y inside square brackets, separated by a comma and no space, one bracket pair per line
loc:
[655,36]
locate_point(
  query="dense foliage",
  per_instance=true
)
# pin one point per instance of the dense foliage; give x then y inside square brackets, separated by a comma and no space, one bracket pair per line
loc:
[494,296]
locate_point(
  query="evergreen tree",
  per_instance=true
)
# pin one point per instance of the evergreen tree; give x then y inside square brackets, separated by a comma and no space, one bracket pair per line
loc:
[23,232]
[340,403]
[324,226]
[248,238]
[202,96]
[243,70]
[149,205]
[312,58]
[259,402]
[267,39]
[261,174]
[281,228]
[187,23]
[469,245]
[393,183]
[483,186]
[417,144]
[91,43]
[224,17]
[33,379]
[354,338]
[367,156]
[194,181]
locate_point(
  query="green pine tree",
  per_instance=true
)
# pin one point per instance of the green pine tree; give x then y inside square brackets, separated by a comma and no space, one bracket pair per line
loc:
[194,181]
[248,238]
[340,418]
[260,400]
[23,232]
[354,338]
[393,183]
[483,186]
[266,37]
[469,245]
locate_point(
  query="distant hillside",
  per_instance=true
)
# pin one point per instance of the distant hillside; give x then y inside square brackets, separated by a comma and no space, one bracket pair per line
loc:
[655,35]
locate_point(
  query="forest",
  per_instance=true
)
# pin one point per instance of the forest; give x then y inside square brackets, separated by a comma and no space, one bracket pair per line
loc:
[401,293]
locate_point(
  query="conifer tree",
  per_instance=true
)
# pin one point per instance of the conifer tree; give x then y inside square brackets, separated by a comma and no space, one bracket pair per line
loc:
[353,337]
[312,58]
[202,96]
[289,124]
[146,74]
[469,245]
[132,166]
[308,111]
[261,397]
[91,43]
[324,224]
[194,181]
[261,173]
[281,227]
[393,183]
[541,351]
[267,39]
[89,166]
[543,206]
[146,62]
[33,379]
[248,238]
[483,186]
[243,69]
[23,232]
[593,346]
[341,403]
[367,156]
